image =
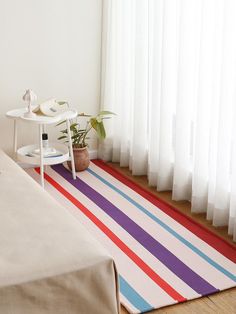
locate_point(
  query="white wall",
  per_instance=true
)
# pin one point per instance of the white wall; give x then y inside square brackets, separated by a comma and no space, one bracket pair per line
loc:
[52,47]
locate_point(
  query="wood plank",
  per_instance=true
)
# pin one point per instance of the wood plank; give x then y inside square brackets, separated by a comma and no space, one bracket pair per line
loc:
[223,303]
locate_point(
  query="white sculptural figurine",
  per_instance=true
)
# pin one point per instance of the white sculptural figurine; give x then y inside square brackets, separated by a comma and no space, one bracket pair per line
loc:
[29,96]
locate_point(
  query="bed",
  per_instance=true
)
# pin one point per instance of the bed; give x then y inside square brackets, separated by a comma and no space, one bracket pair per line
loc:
[49,263]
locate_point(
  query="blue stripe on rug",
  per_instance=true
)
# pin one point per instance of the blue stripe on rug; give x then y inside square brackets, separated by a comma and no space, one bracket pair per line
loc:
[180,269]
[133,296]
[166,227]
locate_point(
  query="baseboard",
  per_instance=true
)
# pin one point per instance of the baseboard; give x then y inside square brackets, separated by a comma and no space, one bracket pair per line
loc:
[93,154]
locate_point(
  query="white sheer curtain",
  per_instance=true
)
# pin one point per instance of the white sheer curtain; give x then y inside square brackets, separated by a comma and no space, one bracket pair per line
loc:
[169,73]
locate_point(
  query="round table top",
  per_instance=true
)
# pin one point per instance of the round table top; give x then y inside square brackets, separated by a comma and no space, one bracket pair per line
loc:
[41,119]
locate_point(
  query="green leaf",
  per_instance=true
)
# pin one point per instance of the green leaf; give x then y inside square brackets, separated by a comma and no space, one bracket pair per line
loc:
[73,125]
[84,115]
[64,121]
[77,135]
[105,113]
[62,137]
[81,131]
[94,123]
[101,131]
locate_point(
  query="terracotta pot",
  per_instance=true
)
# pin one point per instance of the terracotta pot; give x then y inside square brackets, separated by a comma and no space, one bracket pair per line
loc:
[81,157]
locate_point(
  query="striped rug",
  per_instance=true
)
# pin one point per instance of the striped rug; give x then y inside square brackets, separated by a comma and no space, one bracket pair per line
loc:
[163,257]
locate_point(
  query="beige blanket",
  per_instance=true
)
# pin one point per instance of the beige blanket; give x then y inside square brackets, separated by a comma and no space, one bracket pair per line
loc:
[48,262]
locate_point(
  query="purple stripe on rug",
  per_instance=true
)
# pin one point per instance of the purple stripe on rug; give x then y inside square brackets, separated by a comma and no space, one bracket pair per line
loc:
[180,269]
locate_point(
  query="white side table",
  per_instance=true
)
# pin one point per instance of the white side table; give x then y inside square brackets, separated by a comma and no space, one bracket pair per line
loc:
[21,153]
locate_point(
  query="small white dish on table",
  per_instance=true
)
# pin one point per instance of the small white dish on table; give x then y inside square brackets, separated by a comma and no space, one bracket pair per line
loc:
[25,153]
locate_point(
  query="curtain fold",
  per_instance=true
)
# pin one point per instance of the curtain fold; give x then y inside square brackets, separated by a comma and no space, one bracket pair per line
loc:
[169,73]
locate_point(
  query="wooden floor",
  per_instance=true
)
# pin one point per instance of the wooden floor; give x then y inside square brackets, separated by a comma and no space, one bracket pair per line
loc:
[223,302]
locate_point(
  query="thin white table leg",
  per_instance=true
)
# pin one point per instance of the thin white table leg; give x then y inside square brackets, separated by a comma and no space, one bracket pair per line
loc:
[71,149]
[41,154]
[44,130]
[15,139]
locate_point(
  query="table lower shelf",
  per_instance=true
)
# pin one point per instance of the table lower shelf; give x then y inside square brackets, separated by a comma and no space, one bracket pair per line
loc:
[23,155]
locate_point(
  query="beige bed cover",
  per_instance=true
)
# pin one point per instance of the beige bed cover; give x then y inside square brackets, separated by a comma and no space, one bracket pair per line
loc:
[49,263]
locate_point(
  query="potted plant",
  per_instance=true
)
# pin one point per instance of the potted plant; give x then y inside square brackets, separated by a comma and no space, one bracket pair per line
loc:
[79,137]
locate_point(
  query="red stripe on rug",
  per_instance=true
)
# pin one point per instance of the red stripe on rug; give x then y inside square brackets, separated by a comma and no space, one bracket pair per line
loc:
[202,232]
[135,258]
